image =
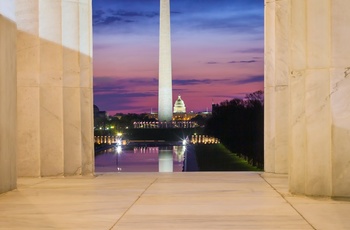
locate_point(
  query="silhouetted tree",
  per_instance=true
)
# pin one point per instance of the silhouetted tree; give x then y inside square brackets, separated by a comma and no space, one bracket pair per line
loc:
[239,124]
[200,120]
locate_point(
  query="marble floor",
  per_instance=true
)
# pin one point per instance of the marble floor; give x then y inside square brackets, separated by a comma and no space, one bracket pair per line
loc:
[200,200]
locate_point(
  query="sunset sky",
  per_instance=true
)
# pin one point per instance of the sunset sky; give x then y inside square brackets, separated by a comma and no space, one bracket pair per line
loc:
[217,52]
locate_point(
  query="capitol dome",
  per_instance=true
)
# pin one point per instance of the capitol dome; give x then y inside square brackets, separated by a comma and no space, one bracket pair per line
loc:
[179,106]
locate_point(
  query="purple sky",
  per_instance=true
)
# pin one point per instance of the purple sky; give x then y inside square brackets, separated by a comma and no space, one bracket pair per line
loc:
[217,52]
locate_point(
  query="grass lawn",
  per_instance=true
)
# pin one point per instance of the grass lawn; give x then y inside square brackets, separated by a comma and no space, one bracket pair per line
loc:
[218,158]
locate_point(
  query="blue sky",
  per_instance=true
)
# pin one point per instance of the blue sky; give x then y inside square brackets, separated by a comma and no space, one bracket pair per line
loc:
[217,52]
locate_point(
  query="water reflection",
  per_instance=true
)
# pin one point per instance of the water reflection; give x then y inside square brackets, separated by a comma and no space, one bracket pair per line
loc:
[141,159]
[165,160]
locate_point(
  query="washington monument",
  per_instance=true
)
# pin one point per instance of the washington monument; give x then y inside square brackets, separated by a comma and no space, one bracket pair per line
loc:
[165,98]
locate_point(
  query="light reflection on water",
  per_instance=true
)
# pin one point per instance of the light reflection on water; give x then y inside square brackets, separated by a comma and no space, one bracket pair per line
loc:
[141,159]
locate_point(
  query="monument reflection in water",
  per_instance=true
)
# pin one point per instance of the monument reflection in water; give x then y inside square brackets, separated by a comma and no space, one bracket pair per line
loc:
[165,159]
[141,159]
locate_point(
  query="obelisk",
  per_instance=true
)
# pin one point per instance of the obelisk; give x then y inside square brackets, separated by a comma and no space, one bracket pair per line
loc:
[165,99]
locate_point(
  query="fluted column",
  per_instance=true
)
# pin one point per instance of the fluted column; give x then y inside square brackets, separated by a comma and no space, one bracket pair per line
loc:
[51,88]
[28,87]
[8,96]
[276,86]
[55,87]
[339,97]
[71,88]
[165,98]
[320,111]
[316,55]
[311,133]
[86,86]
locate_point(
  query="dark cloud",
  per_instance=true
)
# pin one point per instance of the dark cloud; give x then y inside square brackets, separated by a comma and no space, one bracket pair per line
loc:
[234,62]
[196,81]
[251,50]
[113,93]
[229,96]
[251,79]
[125,94]
[125,87]
[250,61]
[179,89]
[111,19]
[124,13]
[246,21]
[116,103]
[231,81]
[97,14]
[121,86]
[229,25]
[234,17]
[246,62]
[107,17]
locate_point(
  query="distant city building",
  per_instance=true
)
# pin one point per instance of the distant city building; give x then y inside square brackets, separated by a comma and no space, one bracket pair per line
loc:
[99,114]
[99,117]
[179,112]
[179,106]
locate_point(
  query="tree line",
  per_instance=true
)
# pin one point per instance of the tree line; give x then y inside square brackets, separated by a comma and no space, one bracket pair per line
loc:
[239,124]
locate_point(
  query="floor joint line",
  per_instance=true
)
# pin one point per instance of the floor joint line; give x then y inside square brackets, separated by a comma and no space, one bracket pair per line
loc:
[139,196]
[287,202]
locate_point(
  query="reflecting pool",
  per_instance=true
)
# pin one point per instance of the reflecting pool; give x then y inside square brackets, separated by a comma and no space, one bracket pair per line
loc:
[141,159]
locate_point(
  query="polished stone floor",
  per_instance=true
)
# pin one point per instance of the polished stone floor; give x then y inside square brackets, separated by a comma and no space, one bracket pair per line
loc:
[216,200]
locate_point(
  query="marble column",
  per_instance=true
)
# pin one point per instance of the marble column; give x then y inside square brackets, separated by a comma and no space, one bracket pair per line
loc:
[276,86]
[165,98]
[320,111]
[317,59]
[55,134]
[340,97]
[8,96]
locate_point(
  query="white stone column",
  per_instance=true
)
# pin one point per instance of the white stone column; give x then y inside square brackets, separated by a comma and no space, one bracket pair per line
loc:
[298,131]
[55,87]
[71,88]
[8,97]
[319,98]
[340,97]
[86,86]
[165,98]
[276,86]
[28,88]
[311,134]
[51,88]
